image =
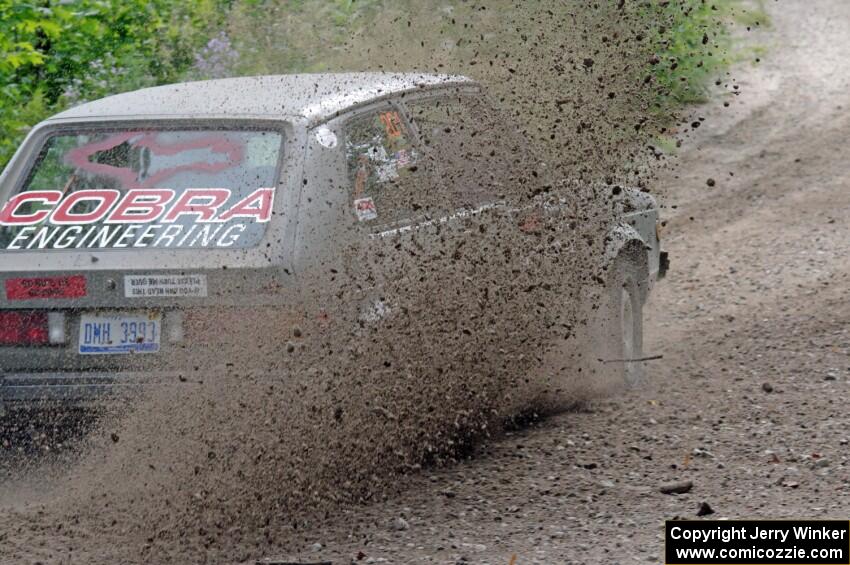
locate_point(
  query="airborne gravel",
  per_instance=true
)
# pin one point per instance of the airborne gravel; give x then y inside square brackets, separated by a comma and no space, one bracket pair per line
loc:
[756,302]
[757,294]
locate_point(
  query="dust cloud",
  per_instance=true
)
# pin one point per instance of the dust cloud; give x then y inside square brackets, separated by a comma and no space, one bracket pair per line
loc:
[272,432]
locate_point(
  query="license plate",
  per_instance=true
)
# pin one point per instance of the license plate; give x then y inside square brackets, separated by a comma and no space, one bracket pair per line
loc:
[120,334]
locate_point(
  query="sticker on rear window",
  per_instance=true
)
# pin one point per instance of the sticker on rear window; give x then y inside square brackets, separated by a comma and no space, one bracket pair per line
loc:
[165,286]
[46,287]
[142,218]
[170,189]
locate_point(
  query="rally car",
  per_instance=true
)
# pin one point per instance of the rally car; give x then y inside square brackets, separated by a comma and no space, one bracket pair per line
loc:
[123,218]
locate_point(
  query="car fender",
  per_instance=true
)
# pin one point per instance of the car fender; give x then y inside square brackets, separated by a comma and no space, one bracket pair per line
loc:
[618,237]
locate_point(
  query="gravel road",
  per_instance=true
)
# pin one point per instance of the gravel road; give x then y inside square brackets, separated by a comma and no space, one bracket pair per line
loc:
[749,402]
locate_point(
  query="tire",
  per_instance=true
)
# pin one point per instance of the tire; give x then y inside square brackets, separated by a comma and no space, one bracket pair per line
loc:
[626,293]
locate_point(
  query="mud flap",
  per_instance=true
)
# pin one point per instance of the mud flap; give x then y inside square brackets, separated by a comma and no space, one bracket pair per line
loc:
[663,264]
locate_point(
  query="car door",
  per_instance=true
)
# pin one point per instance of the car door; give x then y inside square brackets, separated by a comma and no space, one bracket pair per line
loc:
[390,195]
[516,261]
[484,171]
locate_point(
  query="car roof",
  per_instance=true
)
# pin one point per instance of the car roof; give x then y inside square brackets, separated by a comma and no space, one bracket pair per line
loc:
[312,97]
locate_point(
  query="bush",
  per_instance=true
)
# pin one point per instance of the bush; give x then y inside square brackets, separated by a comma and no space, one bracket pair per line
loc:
[693,48]
[56,53]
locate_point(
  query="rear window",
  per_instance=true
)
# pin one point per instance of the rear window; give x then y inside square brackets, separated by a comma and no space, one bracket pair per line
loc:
[138,189]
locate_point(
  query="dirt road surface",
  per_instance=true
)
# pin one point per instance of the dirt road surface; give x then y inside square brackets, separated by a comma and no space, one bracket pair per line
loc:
[750,400]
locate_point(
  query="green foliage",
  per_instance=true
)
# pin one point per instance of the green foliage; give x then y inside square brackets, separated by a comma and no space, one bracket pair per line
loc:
[689,38]
[54,53]
[693,47]
[286,36]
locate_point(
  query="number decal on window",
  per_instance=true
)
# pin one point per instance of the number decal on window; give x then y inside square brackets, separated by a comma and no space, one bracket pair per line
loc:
[392,124]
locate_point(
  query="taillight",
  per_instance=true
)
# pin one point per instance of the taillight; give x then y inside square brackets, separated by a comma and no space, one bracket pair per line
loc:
[24,328]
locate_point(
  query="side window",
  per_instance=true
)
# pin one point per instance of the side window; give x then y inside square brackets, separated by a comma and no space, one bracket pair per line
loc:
[478,152]
[385,172]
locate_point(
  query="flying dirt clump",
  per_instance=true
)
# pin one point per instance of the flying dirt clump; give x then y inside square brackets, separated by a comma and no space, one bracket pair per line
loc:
[229,467]
[590,83]
[236,461]
[275,430]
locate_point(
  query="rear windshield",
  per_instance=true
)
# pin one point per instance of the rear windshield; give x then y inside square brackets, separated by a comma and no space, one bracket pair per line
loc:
[141,189]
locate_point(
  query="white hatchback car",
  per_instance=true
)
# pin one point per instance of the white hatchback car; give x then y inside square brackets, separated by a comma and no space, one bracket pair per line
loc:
[126,217]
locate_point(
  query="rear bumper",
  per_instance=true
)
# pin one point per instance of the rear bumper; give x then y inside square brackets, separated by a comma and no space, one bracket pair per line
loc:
[33,389]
